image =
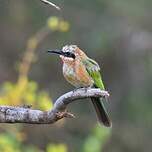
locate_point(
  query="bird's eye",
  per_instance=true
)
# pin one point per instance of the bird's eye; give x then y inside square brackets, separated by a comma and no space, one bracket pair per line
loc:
[69,54]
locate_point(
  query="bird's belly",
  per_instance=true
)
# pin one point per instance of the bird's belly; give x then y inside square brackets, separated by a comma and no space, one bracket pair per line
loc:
[76,79]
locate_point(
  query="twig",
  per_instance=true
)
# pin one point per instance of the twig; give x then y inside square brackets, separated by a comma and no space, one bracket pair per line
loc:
[52,4]
[10,114]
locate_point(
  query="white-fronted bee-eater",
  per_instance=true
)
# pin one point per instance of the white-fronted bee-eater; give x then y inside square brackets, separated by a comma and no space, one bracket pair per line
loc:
[82,71]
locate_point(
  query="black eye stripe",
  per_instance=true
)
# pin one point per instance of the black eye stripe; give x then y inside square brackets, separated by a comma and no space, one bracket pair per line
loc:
[70,54]
[73,56]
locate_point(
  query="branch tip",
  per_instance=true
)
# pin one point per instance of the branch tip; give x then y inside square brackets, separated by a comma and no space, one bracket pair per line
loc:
[52,4]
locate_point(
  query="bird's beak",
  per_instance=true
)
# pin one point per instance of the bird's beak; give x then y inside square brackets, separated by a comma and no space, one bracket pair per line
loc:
[56,52]
[60,52]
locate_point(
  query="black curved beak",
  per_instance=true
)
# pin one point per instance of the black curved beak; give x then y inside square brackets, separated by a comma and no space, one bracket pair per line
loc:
[59,52]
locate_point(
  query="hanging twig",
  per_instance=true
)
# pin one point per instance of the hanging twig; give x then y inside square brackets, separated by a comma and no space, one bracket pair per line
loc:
[50,3]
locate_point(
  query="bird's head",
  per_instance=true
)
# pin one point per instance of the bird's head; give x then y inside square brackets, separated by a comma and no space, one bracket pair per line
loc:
[69,53]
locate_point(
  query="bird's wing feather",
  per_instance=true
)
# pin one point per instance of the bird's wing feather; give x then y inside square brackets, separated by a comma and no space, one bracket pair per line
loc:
[93,69]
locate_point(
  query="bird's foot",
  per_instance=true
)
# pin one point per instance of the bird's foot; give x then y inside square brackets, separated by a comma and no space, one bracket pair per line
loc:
[86,89]
[26,106]
[63,114]
[76,89]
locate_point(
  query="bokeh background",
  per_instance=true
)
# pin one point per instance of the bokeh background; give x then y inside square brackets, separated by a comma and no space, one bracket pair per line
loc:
[117,34]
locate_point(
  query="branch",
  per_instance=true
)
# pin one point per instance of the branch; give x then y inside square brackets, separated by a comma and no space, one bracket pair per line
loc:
[50,3]
[11,114]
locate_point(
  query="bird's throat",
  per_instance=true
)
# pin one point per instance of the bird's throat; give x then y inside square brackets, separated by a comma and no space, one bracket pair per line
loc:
[66,59]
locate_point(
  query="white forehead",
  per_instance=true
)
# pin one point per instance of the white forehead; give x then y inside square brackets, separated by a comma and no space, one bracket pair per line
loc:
[69,48]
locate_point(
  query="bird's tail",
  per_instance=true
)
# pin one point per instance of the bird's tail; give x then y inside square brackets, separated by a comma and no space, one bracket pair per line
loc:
[101,112]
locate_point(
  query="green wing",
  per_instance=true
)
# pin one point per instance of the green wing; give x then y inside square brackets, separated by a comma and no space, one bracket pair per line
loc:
[93,69]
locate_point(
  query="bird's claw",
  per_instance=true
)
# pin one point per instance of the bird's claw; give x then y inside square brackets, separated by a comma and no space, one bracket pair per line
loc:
[26,106]
[76,89]
[86,89]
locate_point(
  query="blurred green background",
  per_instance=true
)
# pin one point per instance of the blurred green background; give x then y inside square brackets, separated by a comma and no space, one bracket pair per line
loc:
[117,34]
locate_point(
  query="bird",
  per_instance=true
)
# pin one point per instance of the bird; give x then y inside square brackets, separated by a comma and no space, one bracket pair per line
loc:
[81,71]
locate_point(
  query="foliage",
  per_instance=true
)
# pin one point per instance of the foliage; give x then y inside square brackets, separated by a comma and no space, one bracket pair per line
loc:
[25,93]
[96,141]
[13,142]
[57,24]
[117,34]
[56,148]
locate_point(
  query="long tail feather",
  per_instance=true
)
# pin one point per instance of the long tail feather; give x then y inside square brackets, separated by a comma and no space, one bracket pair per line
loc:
[101,112]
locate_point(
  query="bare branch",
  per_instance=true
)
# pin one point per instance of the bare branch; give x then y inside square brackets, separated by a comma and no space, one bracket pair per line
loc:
[50,3]
[10,114]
